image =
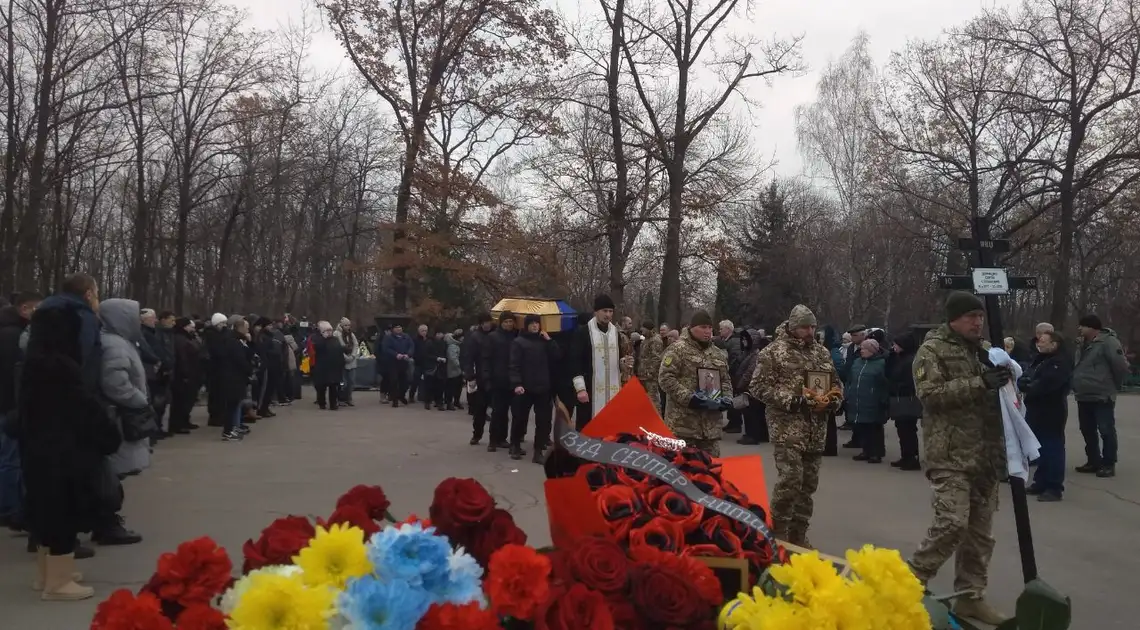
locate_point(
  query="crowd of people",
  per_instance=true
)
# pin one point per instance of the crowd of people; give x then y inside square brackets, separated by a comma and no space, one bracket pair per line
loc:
[89,387]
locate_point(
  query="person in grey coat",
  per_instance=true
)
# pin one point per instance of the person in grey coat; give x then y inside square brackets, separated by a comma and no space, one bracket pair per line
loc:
[1099,374]
[351,345]
[123,384]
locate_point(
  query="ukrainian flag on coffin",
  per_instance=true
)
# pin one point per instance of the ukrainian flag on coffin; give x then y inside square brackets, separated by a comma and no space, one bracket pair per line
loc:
[556,315]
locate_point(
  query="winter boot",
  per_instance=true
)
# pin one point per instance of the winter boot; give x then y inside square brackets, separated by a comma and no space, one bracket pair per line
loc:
[41,571]
[59,580]
[978,609]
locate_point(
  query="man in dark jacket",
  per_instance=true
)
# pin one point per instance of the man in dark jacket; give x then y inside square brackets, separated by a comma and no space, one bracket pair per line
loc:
[423,362]
[906,410]
[478,383]
[496,364]
[186,377]
[435,372]
[271,349]
[13,322]
[532,354]
[850,353]
[1046,387]
[1099,375]
[158,364]
[396,351]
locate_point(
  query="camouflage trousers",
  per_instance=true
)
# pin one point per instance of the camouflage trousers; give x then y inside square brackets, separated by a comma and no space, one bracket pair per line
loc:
[792,503]
[654,393]
[964,509]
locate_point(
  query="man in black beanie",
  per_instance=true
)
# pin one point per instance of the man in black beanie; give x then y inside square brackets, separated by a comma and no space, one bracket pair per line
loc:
[600,361]
[497,366]
[1099,373]
[694,374]
[964,441]
[475,347]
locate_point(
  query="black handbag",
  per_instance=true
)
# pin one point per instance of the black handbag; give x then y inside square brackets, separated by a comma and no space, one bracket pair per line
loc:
[137,424]
[905,407]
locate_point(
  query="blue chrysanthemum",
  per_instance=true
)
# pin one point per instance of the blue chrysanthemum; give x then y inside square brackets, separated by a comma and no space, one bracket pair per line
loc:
[463,584]
[410,554]
[369,603]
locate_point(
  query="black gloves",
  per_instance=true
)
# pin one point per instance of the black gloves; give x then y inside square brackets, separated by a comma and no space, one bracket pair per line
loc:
[701,400]
[698,401]
[996,377]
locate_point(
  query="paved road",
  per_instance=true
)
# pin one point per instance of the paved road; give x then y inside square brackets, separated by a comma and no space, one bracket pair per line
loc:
[302,460]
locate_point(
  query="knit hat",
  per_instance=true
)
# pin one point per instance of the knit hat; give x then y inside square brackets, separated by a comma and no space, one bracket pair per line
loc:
[217,319]
[344,321]
[531,318]
[603,302]
[959,303]
[505,315]
[147,311]
[700,318]
[182,322]
[262,322]
[856,329]
[801,316]
[1090,321]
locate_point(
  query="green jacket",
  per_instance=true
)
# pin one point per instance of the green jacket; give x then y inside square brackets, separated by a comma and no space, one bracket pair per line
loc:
[680,376]
[961,424]
[1101,368]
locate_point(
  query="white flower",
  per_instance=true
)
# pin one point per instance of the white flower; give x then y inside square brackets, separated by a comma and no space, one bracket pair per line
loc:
[234,595]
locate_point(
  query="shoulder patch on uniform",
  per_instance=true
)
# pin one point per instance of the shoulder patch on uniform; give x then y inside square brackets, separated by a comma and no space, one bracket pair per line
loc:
[920,371]
[668,361]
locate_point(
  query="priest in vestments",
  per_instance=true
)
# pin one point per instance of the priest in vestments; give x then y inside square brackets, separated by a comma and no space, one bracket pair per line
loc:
[601,360]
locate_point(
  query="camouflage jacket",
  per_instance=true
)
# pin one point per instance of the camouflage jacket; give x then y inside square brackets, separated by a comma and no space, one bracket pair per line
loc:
[681,369]
[778,382]
[652,349]
[625,349]
[961,419]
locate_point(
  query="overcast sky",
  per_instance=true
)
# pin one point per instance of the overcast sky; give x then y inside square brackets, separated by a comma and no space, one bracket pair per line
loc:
[827,26]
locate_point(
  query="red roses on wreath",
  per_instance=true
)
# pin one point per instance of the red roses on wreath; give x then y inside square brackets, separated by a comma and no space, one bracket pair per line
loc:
[642,510]
[465,512]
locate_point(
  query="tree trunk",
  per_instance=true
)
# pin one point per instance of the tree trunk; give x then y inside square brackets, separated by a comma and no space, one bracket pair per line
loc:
[181,236]
[11,168]
[618,201]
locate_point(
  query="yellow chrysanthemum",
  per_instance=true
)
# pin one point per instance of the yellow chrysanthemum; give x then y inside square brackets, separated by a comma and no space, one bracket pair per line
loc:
[334,556]
[805,574]
[282,602]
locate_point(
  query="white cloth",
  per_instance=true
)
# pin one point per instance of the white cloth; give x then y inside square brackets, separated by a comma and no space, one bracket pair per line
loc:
[607,371]
[1021,446]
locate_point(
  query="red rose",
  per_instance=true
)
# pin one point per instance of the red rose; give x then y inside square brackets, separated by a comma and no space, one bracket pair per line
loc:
[369,498]
[720,532]
[619,506]
[666,597]
[624,614]
[352,514]
[707,484]
[577,608]
[493,534]
[598,563]
[278,543]
[660,533]
[195,574]
[458,504]
[695,573]
[452,617]
[669,504]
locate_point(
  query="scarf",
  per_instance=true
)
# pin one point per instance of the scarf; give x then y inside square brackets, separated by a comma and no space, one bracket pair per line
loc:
[1021,446]
[607,372]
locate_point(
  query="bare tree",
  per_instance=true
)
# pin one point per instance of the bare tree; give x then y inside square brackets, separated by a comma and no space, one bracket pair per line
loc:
[688,38]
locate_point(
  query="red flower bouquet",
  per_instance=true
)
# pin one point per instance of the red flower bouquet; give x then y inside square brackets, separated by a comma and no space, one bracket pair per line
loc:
[452,617]
[197,573]
[464,511]
[124,611]
[371,499]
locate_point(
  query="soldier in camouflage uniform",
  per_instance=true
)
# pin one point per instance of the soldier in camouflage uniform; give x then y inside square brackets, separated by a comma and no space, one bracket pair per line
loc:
[649,363]
[798,431]
[965,451]
[687,367]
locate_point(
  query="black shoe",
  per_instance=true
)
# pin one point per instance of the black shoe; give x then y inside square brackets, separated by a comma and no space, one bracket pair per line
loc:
[193,426]
[395,403]
[181,431]
[267,414]
[897,463]
[874,460]
[83,552]
[1049,496]
[733,430]
[116,535]
[1106,471]
[748,440]
[322,407]
[851,444]
[537,457]
[910,464]
[475,441]
[861,457]
[242,430]
[503,444]
[231,436]
[427,406]
[491,448]
[333,408]
[517,453]
[451,407]
[348,403]
[1034,489]
[458,406]
[1088,468]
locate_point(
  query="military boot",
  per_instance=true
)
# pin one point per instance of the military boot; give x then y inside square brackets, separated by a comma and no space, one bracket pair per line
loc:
[978,609]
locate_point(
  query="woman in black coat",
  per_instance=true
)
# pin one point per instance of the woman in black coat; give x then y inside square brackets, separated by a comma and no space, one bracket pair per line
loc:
[64,436]
[328,366]
[905,408]
[755,416]
[1046,385]
[231,369]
